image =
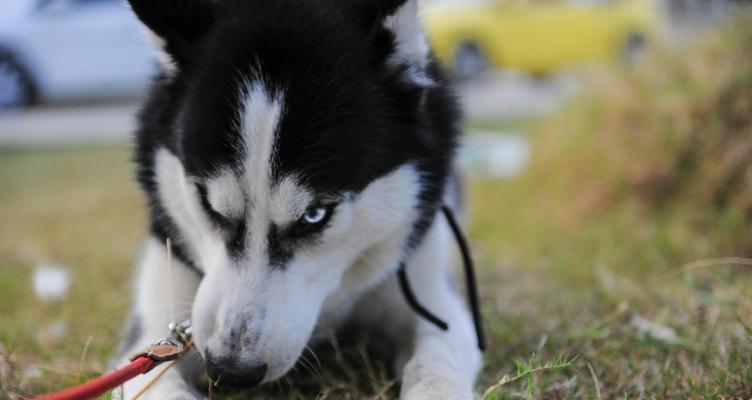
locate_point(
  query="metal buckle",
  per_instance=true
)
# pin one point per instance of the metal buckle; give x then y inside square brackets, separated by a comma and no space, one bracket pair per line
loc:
[181,332]
[169,348]
[165,350]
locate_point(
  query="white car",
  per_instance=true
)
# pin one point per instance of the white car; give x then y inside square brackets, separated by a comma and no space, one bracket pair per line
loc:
[71,49]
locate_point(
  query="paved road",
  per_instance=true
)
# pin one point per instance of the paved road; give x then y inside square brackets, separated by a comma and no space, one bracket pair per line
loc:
[500,96]
[496,96]
[69,125]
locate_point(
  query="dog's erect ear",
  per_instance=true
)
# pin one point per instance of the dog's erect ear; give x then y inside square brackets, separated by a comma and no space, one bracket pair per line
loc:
[176,24]
[401,19]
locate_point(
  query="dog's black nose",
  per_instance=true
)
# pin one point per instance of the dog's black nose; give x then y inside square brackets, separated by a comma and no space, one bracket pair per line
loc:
[228,374]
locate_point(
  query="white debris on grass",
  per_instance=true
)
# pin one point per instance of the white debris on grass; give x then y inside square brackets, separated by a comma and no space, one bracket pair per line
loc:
[53,332]
[31,372]
[650,329]
[496,155]
[57,330]
[51,282]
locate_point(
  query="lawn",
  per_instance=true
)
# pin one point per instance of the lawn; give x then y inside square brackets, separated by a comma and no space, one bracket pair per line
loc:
[616,266]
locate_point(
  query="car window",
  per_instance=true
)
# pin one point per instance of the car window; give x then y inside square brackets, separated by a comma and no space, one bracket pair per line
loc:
[587,2]
[91,2]
[64,5]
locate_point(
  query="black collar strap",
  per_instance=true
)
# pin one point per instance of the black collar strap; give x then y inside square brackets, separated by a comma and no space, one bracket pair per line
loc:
[472,286]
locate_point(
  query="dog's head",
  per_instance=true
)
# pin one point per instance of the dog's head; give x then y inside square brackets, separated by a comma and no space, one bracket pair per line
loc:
[293,149]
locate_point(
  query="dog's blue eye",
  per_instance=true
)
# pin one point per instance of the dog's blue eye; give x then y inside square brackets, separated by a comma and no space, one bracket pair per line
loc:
[315,215]
[312,221]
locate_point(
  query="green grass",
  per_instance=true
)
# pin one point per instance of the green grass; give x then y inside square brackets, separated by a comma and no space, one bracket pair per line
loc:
[79,208]
[585,260]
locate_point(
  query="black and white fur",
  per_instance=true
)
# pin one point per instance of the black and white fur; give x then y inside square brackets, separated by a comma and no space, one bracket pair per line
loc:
[296,152]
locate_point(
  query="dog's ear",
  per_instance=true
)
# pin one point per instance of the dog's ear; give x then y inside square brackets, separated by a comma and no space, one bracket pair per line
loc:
[400,21]
[177,25]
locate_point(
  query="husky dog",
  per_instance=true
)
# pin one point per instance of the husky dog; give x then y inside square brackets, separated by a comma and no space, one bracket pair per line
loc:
[297,152]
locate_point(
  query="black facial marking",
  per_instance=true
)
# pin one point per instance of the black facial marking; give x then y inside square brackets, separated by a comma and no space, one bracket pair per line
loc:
[216,217]
[237,239]
[280,250]
[234,230]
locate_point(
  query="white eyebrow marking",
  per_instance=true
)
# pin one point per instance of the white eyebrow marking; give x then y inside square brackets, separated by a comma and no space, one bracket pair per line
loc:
[225,195]
[290,201]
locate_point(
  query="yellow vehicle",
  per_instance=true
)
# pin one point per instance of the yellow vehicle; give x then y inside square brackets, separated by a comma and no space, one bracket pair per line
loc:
[538,36]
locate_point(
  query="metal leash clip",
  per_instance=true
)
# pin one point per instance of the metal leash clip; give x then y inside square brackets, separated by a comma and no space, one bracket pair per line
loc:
[168,348]
[181,332]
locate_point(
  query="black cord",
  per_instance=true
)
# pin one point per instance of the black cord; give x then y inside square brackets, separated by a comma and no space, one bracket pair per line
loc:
[472,286]
[413,302]
[470,280]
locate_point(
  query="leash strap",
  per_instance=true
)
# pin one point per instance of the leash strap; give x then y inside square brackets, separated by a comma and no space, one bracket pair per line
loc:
[470,280]
[167,349]
[105,383]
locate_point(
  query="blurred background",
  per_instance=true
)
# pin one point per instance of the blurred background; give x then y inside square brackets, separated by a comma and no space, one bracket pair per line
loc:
[609,146]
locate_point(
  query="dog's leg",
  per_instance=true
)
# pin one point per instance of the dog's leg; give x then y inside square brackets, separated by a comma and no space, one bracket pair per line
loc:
[440,364]
[150,319]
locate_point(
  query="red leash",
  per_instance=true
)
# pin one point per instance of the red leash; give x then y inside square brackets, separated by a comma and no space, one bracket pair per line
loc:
[105,383]
[167,349]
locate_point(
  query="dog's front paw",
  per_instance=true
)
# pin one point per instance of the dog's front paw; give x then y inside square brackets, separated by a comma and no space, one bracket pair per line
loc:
[422,382]
[436,389]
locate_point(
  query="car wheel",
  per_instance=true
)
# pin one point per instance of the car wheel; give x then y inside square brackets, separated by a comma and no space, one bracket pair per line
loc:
[16,89]
[633,49]
[469,61]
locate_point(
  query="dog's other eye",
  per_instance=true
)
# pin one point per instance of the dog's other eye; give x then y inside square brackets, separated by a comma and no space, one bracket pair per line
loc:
[315,215]
[312,221]
[315,218]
